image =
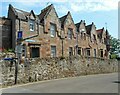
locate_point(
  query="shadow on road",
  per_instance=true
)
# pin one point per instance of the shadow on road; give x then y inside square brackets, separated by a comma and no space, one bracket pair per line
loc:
[116,81]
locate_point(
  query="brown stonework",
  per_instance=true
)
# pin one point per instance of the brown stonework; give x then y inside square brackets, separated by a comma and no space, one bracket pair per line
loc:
[5,33]
[67,39]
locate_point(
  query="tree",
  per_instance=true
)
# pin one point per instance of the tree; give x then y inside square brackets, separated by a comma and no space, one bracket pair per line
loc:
[115,46]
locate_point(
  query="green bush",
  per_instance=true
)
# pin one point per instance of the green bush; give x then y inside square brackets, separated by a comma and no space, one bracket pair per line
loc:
[113,56]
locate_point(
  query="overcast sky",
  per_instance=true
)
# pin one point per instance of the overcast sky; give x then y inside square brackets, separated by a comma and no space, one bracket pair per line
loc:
[97,11]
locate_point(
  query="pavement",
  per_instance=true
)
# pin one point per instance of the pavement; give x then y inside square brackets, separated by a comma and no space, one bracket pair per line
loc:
[101,83]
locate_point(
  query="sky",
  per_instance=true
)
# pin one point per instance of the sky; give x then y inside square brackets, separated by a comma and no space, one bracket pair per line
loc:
[104,13]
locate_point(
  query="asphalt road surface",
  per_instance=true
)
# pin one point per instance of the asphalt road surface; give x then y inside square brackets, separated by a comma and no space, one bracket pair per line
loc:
[102,83]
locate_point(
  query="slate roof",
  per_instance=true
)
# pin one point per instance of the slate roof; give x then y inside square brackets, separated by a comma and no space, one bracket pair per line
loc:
[43,13]
[20,13]
[62,19]
[78,25]
[88,28]
[100,32]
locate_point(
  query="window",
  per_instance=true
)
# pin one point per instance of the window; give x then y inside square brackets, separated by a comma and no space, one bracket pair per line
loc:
[53,51]
[81,35]
[107,41]
[35,52]
[69,33]
[94,37]
[79,50]
[94,52]
[88,51]
[84,36]
[53,30]
[101,52]
[32,25]
[70,51]
[104,41]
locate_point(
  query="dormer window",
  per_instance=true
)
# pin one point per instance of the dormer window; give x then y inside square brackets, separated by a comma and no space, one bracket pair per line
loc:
[53,30]
[32,25]
[81,35]
[84,36]
[70,33]
[94,37]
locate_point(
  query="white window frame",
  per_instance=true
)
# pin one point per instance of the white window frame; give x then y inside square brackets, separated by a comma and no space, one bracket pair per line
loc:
[88,53]
[95,52]
[32,25]
[70,51]
[53,51]
[79,49]
[52,30]
[70,32]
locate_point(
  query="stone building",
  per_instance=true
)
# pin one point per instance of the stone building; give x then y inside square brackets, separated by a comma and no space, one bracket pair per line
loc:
[47,35]
[69,34]
[5,33]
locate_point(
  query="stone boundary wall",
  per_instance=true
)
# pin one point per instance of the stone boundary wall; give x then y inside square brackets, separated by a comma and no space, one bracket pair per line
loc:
[54,68]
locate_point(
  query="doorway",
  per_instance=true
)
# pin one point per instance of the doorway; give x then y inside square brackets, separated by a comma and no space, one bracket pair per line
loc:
[35,52]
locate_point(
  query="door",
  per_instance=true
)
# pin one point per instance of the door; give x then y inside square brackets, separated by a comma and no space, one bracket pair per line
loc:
[35,52]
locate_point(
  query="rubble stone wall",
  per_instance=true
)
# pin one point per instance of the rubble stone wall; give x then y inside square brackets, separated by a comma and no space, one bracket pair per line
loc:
[54,68]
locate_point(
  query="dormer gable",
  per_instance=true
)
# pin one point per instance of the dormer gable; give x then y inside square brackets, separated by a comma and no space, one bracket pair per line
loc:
[100,33]
[88,29]
[81,26]
[69,19]
[66,20]
[67,24]
[44,13]
[93,29]
[49,16]
[32,15]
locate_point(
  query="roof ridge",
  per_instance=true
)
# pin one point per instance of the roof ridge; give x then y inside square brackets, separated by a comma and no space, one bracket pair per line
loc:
[21,10]
[100,29]
[77,23]
[44,12]
[46,8]
[63,16]
[62,20]
[24,12]
[88,25]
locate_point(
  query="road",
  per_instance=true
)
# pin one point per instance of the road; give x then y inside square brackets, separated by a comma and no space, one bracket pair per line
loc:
[102,83]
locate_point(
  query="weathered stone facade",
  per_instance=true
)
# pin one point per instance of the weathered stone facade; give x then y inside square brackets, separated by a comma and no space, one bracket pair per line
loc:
[5,33]
[68,23]
[54,68]
[47,35]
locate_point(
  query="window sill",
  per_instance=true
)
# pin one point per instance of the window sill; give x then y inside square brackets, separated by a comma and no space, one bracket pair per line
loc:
[52,36]
[31,30]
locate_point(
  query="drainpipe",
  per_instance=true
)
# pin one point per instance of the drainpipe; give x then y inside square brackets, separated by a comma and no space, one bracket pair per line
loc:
[19,24]
[77,44]
[62,48]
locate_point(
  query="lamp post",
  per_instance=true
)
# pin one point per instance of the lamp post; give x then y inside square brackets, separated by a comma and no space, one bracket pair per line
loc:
[19,47]
[16,66]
